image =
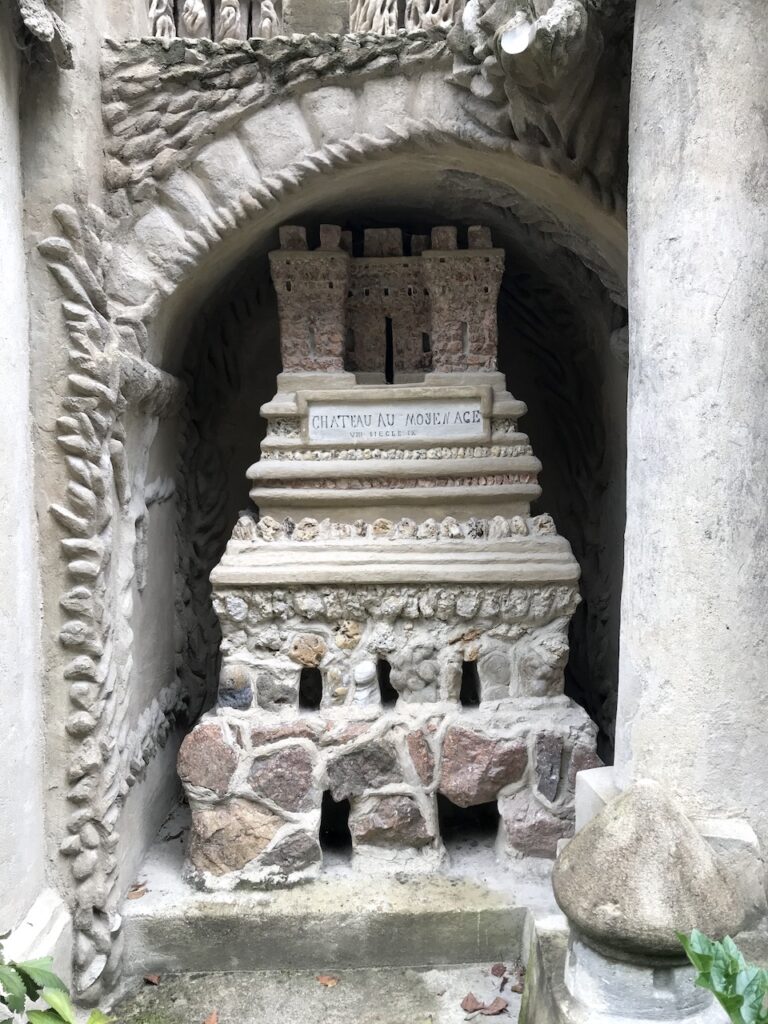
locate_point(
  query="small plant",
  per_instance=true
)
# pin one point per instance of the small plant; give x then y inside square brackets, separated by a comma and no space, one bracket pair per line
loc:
[739,987]
[27,982]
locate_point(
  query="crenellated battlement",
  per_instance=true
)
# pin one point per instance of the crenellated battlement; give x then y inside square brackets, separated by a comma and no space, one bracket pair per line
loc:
[387,305]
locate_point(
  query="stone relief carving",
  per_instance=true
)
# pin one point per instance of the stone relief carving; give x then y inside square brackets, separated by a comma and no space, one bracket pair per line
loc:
[141,81]
[97,515]
[559,72]
[219,20]
[38,21]
[386,18]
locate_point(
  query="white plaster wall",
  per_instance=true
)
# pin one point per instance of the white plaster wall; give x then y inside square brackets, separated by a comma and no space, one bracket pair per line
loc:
[22,860]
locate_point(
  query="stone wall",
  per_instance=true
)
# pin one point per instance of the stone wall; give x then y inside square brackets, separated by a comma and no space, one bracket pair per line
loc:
[22,861]
[256,785]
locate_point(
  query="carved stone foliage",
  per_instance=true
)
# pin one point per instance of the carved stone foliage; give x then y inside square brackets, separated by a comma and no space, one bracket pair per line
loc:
[96,513]
[552,73]
[160,105]
[40,24]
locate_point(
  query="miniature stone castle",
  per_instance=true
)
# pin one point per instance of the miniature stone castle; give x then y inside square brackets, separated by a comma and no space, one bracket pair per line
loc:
[395,622]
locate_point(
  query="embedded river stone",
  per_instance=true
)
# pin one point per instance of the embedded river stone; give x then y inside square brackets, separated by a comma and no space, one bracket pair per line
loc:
[206,760]
[475,766]
[226,837]
[300,729]
[368,767]
[639,873]
[548,756]
[393,821]
[530,828]
[422,756]
[296,852]
[285,778]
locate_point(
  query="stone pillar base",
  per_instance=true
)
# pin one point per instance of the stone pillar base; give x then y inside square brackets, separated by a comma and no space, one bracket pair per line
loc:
[568,983]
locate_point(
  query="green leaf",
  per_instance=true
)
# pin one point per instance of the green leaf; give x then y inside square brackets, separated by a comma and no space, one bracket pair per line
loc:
[14,987]
[40,972]
[61,1003]
[44,1017]
[97,1017]
[739,987]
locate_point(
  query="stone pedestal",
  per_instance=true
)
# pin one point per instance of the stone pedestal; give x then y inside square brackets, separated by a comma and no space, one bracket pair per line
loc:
[614,990]
[395,621]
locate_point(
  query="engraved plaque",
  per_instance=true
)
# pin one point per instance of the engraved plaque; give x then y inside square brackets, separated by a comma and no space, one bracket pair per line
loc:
[425,420]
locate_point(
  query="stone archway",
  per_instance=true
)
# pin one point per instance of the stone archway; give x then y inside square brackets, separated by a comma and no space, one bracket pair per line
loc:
[179,225]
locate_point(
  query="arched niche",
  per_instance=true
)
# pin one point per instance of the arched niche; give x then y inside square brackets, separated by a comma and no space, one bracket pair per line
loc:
[556,320]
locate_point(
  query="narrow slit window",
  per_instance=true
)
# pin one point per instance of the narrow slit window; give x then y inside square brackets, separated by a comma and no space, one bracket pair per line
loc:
[310,689]
[470,685]
[389,356]
[387,691]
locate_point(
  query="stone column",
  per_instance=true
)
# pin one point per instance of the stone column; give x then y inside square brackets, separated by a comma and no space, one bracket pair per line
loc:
[693,694]
[694,643]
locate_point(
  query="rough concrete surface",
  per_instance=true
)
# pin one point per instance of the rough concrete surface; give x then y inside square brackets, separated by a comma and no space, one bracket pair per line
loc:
[639,873]
[476,910]
[375,996]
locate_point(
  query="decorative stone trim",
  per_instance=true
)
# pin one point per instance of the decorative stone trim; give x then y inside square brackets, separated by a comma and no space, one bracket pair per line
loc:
[161,104]
[267,529]
[398,483]
[363,454]
[107,755]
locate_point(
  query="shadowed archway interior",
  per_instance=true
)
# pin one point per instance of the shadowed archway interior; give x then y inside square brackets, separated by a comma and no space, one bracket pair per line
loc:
[555,322]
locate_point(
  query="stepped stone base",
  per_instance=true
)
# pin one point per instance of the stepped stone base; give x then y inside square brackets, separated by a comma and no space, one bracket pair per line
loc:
[255,784]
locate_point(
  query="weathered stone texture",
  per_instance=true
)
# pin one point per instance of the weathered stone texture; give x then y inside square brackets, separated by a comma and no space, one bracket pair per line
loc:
[285,778]
[422,756]
[230,835]
[301,729]
[393,821]
[530,828]
[368,767]
[475,767]
[203,85]
[308,649]
[296,852]
[207,760]
[639,873]
[548,754]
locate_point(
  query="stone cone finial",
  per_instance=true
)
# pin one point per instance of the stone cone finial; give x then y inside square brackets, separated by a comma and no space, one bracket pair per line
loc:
[638,873]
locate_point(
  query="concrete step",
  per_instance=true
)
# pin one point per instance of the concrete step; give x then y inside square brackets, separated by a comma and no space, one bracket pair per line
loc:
[359,996]
[476,911]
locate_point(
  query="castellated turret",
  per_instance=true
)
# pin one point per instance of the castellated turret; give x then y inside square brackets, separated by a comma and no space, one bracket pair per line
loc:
[386,312]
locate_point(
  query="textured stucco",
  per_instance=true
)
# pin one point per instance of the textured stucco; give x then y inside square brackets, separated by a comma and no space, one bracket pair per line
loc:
[694,651]
[22,872]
